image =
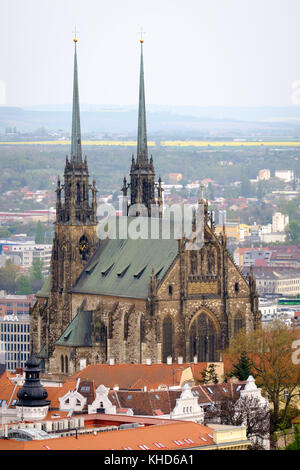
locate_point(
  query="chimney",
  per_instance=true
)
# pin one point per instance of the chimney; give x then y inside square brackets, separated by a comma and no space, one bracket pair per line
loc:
[116,387]
[111,361]
[169,360]
[180,360]
[148,361]
[195,359]
[145,388]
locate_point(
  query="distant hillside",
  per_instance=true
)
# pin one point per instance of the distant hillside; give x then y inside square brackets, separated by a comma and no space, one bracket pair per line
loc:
[187,120]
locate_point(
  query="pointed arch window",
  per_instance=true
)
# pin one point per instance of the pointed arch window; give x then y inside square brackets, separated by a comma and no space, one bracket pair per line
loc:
[237,323]
[167,338]
[203,339]
[62,363]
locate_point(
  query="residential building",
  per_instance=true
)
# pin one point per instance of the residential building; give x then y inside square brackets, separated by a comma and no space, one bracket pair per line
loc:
[286,175]
[264,175]
[280,281]
[28,252]
[16,304]
[279,222]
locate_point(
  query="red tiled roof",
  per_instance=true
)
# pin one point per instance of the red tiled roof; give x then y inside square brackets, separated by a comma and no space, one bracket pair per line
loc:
[173,436]
[136,376]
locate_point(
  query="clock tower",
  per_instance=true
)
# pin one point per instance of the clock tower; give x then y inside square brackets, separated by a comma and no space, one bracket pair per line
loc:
[75,237]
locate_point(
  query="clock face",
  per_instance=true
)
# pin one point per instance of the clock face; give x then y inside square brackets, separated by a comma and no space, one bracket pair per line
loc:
[83,245]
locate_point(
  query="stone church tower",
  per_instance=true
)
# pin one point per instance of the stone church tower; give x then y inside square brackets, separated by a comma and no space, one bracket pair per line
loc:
[75,238]
[131,299]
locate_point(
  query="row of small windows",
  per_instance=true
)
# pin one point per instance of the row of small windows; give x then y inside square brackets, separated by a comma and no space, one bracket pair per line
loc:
[16,357]
[15,328]
[187,409]
[17,347]
[11,366]
[15,338]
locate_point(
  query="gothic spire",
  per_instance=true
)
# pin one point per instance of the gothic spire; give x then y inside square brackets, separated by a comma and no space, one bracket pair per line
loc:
[76,154]
[142,151]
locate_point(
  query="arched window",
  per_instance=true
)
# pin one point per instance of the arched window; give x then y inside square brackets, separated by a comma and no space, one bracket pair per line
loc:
[142,337]
[203,339]
[237,323]
[78,193]
[167,339]
[66,364]
[62,363]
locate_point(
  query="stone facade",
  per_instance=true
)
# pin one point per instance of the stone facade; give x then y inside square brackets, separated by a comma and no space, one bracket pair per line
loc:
[174,320]
[190,311]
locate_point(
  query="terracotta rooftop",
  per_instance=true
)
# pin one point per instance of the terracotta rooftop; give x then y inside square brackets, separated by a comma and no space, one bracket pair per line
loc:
[171,436]
[137,376]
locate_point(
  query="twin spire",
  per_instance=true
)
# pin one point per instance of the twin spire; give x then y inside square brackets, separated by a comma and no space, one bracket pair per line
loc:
[142,150]
[142,176]
[76,152]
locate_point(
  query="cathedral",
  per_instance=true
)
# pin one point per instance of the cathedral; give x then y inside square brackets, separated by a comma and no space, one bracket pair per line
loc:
[131,300]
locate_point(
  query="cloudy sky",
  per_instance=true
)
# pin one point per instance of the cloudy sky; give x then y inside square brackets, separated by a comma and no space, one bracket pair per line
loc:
[196,52]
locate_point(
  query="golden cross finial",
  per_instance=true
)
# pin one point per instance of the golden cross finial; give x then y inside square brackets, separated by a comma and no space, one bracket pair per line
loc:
[75,34]
[141,33]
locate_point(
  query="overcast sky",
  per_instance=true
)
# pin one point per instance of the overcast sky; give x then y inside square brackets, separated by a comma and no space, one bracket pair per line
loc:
[196,52]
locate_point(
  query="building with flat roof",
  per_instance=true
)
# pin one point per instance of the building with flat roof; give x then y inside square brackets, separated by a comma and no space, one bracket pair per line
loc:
[15,340]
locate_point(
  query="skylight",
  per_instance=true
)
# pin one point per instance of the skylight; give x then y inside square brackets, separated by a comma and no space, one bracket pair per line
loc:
[188,441]
[210,390]
[159,445]
[179,443]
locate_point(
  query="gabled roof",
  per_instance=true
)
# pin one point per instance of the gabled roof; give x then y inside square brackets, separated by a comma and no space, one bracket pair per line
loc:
[123,267]
[133,376]
[78,332]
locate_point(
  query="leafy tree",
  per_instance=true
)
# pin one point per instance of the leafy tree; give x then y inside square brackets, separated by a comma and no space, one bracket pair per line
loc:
[37,269]
[209,375]
[296,444]
[260,190]
[246,188]
[246,411]
[23,286]
[243,368]
[270,350]
[8,277]
[294,231]
[4,233]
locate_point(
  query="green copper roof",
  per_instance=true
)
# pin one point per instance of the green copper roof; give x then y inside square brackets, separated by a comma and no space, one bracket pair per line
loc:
[142,151]
[123,267]
[78,333]
[76,153]
[43,353]
[45,290]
